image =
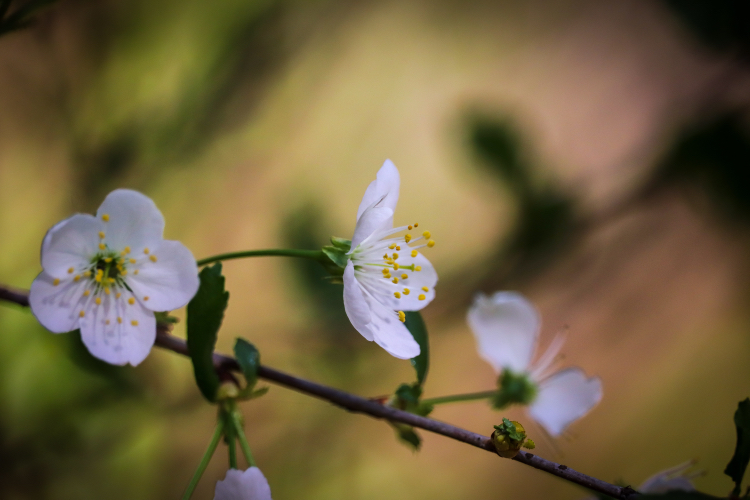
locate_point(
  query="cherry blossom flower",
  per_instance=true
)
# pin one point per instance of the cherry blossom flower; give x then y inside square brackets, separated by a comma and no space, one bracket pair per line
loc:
[506,327]
[107,274]
[387,274]
[250,484]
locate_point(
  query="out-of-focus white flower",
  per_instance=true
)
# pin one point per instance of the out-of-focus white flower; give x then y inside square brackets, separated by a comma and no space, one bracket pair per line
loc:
[673,479]
[107,274]
[506,327]
[250,484]
[386,274]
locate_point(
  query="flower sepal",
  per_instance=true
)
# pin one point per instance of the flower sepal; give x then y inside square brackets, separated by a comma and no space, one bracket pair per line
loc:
[337,256]
[509,437]
[514,388]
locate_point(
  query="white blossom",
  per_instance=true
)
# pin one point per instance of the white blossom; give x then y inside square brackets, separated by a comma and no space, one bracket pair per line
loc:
[250,484]
[387,274]
[506,327]
[107,274]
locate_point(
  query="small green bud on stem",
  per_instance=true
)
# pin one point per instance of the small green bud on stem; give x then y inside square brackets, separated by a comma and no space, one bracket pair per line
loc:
[509,437]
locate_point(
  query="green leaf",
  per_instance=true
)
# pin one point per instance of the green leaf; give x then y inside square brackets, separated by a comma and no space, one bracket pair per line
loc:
[407,398]
[204,316]
[248,358]
[407,435]
[509,429]
[415,324]
[737,466]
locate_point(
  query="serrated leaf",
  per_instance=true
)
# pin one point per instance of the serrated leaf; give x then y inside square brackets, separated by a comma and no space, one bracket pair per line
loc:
[737,466]
[415,324]
[204,316]
[248,358]
[679,495]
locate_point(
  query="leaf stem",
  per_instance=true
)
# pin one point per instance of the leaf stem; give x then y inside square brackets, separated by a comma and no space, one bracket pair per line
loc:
[456,398]
[315,255]
[232,453]
[206,458]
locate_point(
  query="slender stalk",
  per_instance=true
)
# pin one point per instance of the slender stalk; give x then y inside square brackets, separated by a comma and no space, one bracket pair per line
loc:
[235,416]
[232,453]
[316,255]
[471,396]
[206,458]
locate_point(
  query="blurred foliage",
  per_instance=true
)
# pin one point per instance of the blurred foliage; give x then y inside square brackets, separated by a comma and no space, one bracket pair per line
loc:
[546,217]
[20,17]
[712,158]
[722,25]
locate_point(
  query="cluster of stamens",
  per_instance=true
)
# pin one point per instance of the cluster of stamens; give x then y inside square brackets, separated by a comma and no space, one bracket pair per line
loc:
[106,270]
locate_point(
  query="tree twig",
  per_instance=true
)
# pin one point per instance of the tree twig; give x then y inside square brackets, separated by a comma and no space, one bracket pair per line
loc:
[358,404]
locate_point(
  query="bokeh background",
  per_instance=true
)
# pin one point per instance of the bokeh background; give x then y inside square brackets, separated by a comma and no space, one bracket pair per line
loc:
[593,155]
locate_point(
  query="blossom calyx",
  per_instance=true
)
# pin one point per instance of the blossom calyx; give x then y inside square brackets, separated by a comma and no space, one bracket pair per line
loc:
[508,438]
[337,256]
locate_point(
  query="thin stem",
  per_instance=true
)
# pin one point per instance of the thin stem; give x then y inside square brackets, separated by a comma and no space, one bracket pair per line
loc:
[316,255]
[235,416]
[232,453]
[455,398]
[206,458]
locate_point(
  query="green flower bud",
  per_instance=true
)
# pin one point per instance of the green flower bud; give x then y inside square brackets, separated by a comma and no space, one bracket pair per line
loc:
[508,438]
[227,390]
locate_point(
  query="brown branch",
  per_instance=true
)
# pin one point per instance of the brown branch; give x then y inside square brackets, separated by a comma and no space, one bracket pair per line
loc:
[375,409]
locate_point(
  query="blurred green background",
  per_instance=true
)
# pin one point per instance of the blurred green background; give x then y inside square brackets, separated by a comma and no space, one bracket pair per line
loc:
[593,155]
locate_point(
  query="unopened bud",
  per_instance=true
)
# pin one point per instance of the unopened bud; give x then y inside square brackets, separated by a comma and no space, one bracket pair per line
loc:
[227,390]
[508,438]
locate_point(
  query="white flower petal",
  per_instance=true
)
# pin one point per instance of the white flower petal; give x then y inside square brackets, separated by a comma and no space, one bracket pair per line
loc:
[70,243]
[56,307]
[390,333]
[384,189]
[506,327]
[355,305]
[374,219]
[168,276]
[119,330]
[563,398]
[133,220]
[250,484]
[414,282]
[672,479]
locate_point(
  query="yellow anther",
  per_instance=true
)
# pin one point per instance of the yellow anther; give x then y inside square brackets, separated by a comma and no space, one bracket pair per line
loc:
[77,277]
[402,316]
[135,272]
[407,238]
[118,294]
[120,261]
[398,248]
[101,235]
[131,301]
[406,291]
[392,246]
[98,278]
[404,276]
[105,217]
[418,268]
[146,250]
[56,281]
[411,227]
[98,301]
[106,290]
[414,253]
[123,271]
[152,258]
[397,295]
[125,250]
[87,274]
[99,272]
[134,323]
[102,246]
[395,280]
[385,271]
[421,296]
[385,256]
[106,322]
[111,280]
[431,243]
[82,314]
[108,259]
[86,293]
[416,224]
[395,266]
[395,256]
[425,289]
[426,235]
[70,270]
[145,298]
[132,261]
[119,319]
